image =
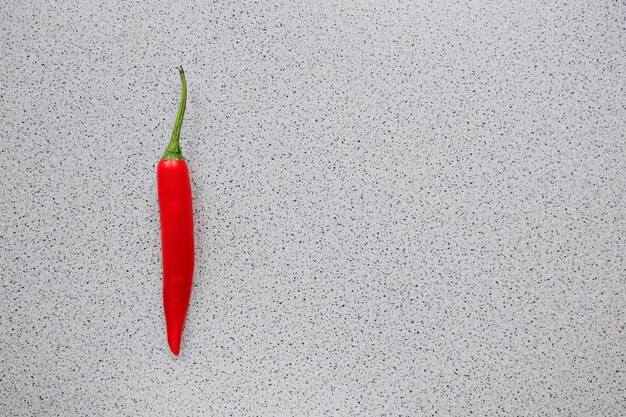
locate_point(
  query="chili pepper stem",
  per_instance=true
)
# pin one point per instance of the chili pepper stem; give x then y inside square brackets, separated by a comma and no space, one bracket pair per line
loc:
[173,151]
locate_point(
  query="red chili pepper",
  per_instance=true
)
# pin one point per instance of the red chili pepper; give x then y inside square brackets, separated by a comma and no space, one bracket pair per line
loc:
[174,190]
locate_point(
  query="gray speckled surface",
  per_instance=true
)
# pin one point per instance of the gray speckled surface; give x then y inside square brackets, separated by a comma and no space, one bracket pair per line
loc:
[402,209]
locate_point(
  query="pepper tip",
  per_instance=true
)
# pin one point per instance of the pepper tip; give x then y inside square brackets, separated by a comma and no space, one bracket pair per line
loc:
[173,340]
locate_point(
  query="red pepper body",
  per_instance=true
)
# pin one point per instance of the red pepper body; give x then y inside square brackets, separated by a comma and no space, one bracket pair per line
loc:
[174,190]
[177,245]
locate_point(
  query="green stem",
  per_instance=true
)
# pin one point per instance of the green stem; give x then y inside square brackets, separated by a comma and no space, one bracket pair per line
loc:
[173,151]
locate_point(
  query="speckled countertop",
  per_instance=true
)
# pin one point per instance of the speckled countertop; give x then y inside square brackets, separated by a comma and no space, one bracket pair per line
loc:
[402,209]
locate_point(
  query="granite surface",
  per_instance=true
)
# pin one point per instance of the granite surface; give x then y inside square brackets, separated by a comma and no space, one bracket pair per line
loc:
[402,208]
